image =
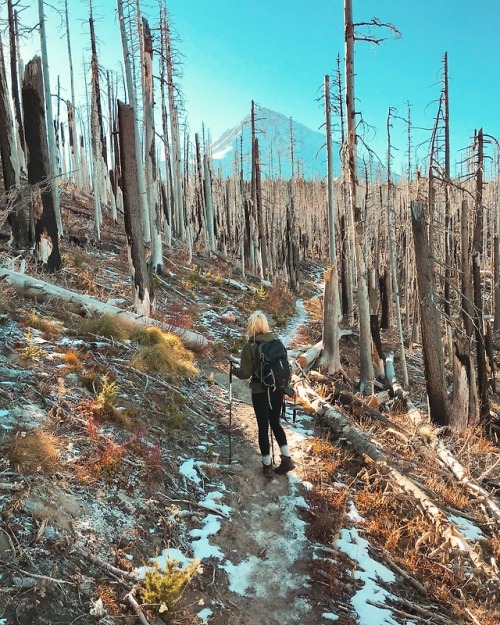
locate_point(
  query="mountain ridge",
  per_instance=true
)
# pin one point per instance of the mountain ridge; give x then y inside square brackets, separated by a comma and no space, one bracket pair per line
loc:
[273,133]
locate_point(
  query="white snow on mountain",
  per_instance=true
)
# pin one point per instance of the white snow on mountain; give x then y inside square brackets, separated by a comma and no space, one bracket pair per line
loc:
[274,132]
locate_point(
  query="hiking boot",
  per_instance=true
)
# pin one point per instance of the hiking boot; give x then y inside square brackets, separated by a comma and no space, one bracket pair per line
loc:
[267,470]
[285,465]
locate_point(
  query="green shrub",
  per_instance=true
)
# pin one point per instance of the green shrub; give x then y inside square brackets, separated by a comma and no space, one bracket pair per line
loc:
[164,588]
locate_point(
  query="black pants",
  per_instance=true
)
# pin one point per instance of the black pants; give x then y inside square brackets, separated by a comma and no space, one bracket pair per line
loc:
[269,414]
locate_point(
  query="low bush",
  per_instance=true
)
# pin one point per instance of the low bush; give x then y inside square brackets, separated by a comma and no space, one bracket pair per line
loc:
[164,588]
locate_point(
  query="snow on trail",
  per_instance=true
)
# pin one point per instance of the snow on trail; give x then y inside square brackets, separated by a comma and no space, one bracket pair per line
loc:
[262,545]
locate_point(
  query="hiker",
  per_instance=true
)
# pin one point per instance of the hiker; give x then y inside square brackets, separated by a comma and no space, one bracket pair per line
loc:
[267,403]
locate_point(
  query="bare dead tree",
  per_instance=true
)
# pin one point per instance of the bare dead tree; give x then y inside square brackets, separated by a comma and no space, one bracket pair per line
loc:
[331,301]
[44,215]
[366,364]
[430,320]
[477,252]
[141,279]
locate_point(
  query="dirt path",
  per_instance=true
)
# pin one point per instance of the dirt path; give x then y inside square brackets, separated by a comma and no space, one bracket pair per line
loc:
[265,539]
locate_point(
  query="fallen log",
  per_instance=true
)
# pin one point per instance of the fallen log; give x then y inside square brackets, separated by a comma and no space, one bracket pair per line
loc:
[307,359]
[343,429]
[38,289]
[348,399]
[459,472]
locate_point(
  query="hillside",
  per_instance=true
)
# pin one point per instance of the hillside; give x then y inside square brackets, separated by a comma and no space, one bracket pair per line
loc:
[114,455]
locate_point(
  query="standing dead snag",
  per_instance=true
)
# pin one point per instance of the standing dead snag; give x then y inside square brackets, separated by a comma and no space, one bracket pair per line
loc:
[18,217]
[477,252]
[331,300]
[430,321]
[366,365]
[44,214]
[51,167]
[141,277]
[155,214]
[132,99]
[365,358]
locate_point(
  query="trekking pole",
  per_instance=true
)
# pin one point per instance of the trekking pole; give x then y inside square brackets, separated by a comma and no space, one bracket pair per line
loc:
[230,409]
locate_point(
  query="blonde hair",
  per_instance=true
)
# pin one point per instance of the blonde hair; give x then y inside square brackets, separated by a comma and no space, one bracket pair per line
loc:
[257,324]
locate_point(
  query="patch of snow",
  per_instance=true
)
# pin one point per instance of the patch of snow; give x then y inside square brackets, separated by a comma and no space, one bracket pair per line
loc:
[369,572]
[166,555]
[329,616]
[299,320]
[187,469]
[210,502]
[204,615]
[353,513]
[467,527]
[201,546]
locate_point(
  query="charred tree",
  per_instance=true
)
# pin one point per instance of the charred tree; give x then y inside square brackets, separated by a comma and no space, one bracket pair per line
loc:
[14,77]
[366,365]
[260,239]
[43,209]
[71,106]
[176,164]
[392,259]
[141,277]
[155,213]
[430,321]
[477,252]
[18,215]
[53,168]
[132,98]
[331,307]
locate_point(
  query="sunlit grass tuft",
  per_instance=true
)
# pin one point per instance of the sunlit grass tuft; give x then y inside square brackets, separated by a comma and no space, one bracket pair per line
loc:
[109,326]
[162,352]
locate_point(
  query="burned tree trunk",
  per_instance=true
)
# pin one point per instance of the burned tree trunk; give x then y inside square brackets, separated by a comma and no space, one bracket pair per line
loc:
[467,291]
[22,235]
[430,321]
[52,168]
[462,400]
[291,244]
[477,252]
[260,233]
[44,214]
[176,160]
[209,206]
[132,98]
[366,365]
[15,82]
[155,213]
[331,307]
[141,278]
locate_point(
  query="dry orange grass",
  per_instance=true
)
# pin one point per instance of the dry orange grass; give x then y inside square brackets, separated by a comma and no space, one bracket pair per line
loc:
[34,452]
[109,597]
[453,493]
[72,360]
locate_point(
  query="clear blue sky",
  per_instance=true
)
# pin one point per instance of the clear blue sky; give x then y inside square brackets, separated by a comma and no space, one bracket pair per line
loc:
[276,52]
